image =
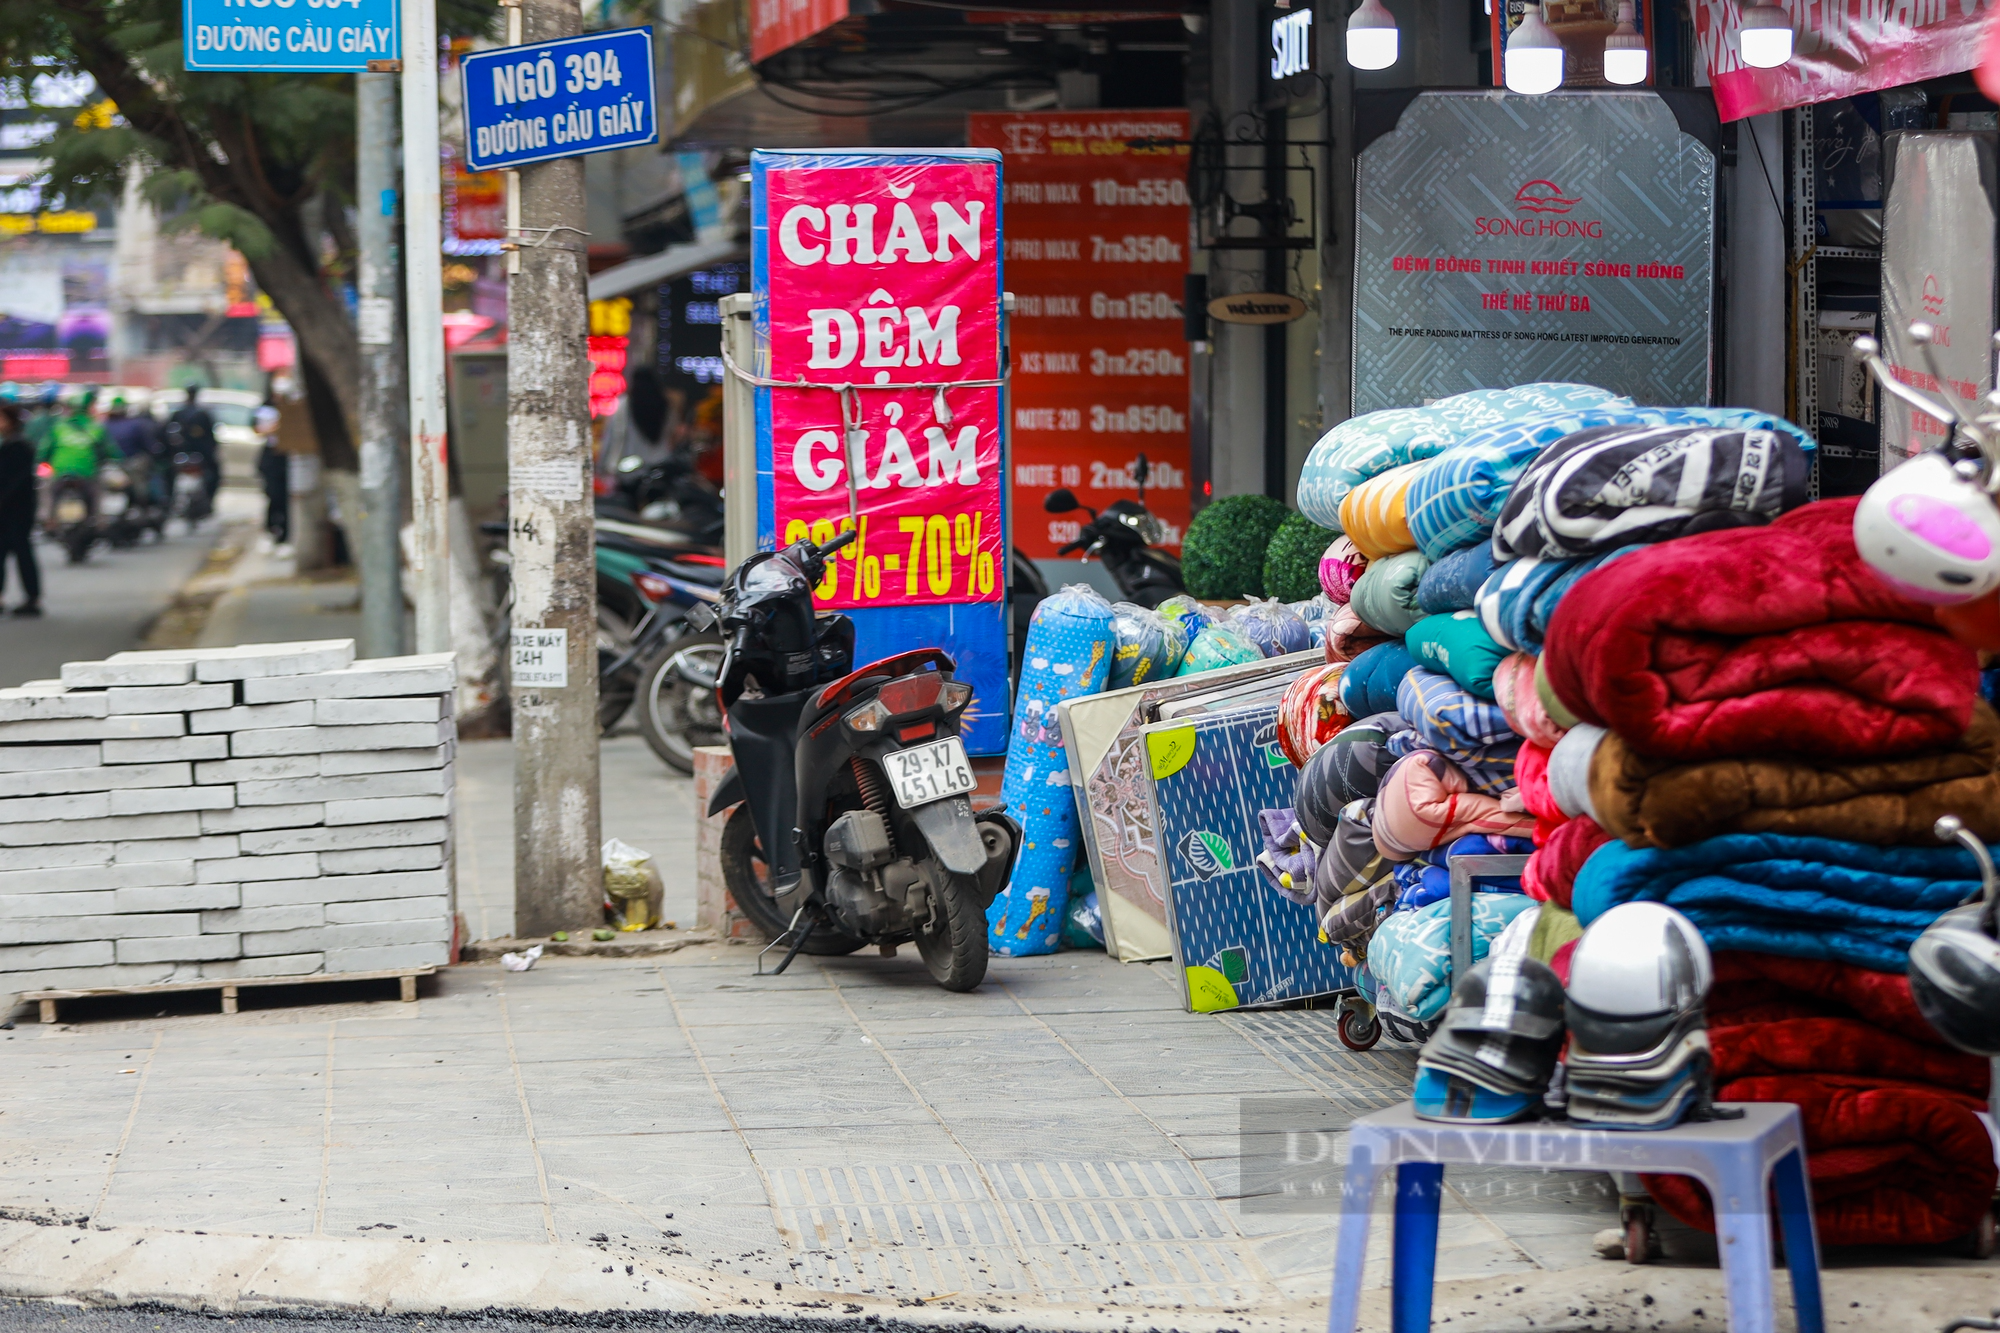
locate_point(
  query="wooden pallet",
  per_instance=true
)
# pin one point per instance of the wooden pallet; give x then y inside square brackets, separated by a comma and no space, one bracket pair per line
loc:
[406,975]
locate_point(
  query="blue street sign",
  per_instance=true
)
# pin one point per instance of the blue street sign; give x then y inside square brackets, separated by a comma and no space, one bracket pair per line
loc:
[316,35]
[564,98]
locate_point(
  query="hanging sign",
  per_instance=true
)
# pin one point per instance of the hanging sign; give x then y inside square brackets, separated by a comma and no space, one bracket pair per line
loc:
[248,35]
[1097,224]
[1257,308]
[1502,240]
[1841,47]
[879,275]
[565,98]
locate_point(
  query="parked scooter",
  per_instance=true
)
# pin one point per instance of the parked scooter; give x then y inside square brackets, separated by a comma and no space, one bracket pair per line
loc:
[668,494]
[1126,537]
[855,824]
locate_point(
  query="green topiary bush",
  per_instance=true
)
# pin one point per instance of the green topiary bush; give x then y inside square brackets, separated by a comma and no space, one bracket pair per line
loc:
[1291,562]
[1223,554]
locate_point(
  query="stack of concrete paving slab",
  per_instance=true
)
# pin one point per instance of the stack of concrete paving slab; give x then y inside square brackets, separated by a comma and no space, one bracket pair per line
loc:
[260,811]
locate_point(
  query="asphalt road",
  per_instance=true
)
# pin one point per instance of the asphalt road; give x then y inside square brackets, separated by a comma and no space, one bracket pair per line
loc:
[18,1316]
[100,607]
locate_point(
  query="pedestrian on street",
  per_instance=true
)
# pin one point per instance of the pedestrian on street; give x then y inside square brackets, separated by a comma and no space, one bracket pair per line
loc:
[275,467]
[197,436]
[17,508]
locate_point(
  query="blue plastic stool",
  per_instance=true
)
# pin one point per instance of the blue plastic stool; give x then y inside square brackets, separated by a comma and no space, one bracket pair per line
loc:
[1738,1160]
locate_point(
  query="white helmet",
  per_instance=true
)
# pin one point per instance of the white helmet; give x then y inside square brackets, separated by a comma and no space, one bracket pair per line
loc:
[1931,531]
[1636,972]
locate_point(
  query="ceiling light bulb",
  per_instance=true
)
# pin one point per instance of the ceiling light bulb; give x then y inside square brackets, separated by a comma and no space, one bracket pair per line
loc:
[1371,36]
[1764,37]
[1534,59]
[1625,50]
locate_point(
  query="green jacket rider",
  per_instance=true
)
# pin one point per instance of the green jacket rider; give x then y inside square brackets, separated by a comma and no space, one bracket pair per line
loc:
[77,445]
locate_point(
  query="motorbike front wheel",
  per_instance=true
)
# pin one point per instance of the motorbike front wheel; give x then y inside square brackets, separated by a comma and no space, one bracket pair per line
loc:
[953,942]
[78,541]
[747,876]
[676,714]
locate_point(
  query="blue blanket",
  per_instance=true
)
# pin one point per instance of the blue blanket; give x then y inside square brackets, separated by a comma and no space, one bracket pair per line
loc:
[1370,682]
[1843,902]
[1519,598]
[1471,731]
[1452,584]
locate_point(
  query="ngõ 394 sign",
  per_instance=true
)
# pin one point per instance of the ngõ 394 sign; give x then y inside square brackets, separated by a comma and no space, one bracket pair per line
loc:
[886,277]
[545,100]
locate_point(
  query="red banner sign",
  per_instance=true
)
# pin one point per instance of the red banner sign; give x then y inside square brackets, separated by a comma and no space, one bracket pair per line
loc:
[1097,247]
[777,24]
[1843,47]
[886,278]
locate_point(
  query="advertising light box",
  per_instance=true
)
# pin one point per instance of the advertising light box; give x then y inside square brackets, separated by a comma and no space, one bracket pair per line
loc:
[878,278]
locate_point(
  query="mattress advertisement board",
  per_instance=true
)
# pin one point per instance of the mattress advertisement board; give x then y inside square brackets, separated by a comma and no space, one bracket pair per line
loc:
[1502,240]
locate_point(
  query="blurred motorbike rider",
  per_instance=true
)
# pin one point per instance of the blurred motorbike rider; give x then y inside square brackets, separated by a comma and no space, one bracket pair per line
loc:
[196,429]
[135,438]
[76,448]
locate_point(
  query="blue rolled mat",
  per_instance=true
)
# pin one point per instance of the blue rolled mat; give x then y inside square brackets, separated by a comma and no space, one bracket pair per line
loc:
[1068,654]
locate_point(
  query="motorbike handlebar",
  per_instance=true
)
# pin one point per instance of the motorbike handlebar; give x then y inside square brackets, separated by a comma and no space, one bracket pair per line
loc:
[838,542]
[1071,548]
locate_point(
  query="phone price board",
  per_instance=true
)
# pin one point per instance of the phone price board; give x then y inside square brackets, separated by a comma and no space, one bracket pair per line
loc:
[878,278]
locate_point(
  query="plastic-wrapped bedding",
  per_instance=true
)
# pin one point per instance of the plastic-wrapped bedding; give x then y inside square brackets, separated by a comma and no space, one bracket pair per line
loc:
[1598,490]
[1469,730]
[1426,800]
[1372,443]
[1067,654]
[1386,596]
[1410,953]
[1457,499]
[1453,583]
[1458,645]
[1514,690]
[1374,514]
[1342,564]
[1519,598]
[1372,679]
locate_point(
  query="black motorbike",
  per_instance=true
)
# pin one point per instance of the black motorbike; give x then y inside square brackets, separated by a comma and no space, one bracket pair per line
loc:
[1126,537]
[668,494]
[855,822]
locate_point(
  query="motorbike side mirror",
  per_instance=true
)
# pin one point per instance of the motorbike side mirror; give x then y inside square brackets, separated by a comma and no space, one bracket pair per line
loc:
[1141,470]
[1063,501]
[702,616]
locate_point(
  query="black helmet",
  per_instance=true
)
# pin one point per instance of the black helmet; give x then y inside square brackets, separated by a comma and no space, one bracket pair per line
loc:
[1955,964]
[1503,1029]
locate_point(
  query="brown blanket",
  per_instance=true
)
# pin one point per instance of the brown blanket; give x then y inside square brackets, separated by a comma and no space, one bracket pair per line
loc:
[1661,803]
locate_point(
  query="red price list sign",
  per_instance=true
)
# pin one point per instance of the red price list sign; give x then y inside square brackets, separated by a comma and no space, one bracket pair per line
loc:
[1097,247]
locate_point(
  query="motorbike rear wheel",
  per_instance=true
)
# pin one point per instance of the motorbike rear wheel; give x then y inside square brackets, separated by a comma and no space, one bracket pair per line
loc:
[675,715]
[747,876]
[954,947]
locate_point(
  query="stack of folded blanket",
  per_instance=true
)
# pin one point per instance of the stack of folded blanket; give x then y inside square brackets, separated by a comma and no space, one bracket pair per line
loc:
[1753,728]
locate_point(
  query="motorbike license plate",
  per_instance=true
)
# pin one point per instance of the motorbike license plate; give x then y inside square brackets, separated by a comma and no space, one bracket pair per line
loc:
[69,509]
[929,773]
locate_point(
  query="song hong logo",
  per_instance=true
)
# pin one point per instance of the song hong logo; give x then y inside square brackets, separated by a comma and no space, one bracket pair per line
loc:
[1542,196]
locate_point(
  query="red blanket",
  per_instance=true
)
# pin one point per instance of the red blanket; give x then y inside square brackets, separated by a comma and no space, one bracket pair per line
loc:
[1894,1146]
[1551,870]
[1756,640]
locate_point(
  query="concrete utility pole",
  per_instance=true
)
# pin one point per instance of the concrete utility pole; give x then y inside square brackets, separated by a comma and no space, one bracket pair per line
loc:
[381,369]
[558,882]
[423,231]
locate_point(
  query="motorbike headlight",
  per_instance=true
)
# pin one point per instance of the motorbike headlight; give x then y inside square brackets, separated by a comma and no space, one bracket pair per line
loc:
[957,694]
[869,717]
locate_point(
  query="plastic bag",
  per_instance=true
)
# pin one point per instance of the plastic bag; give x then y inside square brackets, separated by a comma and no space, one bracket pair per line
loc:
[1150,645]
[633,891]
[1218,646]
[1275,628]
[1194,617]
[1083,922]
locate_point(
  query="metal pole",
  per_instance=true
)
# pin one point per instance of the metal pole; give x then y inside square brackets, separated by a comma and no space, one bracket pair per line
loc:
[381,368]
[423,229]
[558,882]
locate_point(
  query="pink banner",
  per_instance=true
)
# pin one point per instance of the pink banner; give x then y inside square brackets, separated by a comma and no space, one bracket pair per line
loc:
[887,279]
[1843,47]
